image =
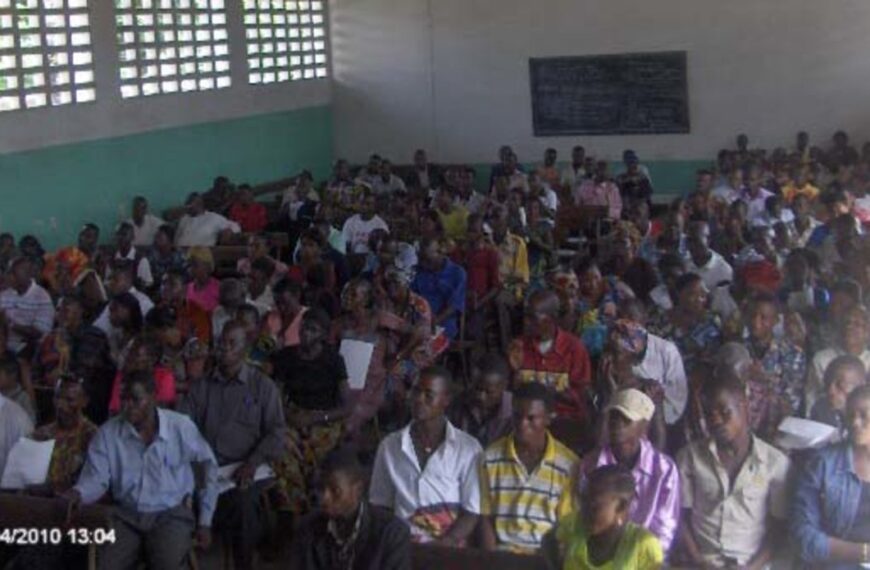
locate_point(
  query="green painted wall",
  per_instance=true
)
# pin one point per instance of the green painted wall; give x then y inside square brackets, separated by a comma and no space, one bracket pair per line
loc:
[51,192]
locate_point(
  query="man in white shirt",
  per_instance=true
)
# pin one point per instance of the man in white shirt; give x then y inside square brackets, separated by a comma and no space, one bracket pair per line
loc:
[125,250]
[754,195]
[661,362]
[730,191]
[387,183]
[14,424]
[27,306]
[427,473]
[200,227]
[145,225]
[711,266]
[121,281]
[358,227]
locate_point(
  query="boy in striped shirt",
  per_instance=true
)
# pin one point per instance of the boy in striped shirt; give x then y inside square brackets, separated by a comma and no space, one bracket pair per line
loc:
[526,478]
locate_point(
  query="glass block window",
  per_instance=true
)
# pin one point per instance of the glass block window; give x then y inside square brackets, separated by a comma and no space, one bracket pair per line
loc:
[286,40]
[172,46]
[45,54]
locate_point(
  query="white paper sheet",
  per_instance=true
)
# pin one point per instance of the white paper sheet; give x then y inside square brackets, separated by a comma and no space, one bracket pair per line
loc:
[800,433]
[225,475]
[357,357]
[27,463]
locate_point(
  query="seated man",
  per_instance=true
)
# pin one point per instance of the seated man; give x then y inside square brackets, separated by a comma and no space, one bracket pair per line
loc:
[121,281]
[527,479]
[144,458]
[657,504]
[238,409]
[27,306]
[553,357]
[199,227]
[600,191]
[358,228]
[249,214]
[733,485]
[347,532]
[427,473]
[232,296]
[442,283]
[658,360]
[145,224]
[485,410]
[124,250]
[711,266]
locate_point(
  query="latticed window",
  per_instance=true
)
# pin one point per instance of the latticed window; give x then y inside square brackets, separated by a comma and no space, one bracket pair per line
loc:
[45,54]
[286,40]
[171,46]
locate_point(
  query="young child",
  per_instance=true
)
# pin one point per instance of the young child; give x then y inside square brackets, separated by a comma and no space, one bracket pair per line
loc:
[11,386]
[843,375]
[600,536]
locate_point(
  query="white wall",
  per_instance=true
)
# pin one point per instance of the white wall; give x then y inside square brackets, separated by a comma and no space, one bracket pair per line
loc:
[452,75]
[110,115]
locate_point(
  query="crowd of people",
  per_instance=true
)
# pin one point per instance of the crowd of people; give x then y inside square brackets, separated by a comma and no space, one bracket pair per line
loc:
[555,364]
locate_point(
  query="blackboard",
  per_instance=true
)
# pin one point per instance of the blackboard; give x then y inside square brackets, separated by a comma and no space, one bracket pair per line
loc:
[638,93]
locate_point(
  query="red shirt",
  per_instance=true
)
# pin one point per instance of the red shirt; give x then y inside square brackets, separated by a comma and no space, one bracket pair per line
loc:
[165,395]
[481,267]
[252,218]
[565,368]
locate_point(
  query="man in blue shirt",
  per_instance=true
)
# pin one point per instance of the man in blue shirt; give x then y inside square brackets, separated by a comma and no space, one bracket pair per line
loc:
[442,283]
[144,458]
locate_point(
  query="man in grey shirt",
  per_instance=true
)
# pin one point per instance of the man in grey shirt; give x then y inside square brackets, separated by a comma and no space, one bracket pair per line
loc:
[14,424]
[238,409]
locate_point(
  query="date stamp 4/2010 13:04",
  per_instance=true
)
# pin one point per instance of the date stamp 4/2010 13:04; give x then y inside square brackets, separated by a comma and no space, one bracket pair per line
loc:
[20,536]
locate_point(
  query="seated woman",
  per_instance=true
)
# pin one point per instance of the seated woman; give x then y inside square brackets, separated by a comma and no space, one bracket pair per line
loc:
[843,375]
[125,317]
[145,354]
[625,264]
[347,533]
[364,322]
[694,329]
[416,346]
[598,297]
[283,324]
[601,535]
[163,256]
[203,290]
[258,247]
[313,380]
[191,319]
[830,510]
[52,358]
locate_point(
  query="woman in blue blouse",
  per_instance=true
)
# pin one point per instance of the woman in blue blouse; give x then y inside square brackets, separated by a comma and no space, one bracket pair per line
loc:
[830,519]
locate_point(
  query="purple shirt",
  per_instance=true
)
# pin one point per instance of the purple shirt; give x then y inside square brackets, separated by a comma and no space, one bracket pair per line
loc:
[657,480]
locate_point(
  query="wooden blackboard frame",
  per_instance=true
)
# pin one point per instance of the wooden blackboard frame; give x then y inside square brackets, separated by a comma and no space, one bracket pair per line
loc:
[682,126]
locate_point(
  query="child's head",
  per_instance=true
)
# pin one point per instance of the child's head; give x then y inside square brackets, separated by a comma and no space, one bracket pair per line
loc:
[606,498]
[843,375]
[10,372]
